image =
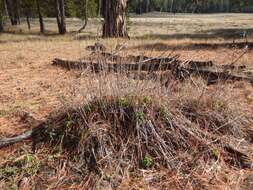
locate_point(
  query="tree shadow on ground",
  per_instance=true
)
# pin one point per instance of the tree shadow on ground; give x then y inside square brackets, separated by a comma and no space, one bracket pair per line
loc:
[229,33]
[28,33]
[238,38]
[87,37]
[48,35]
[24,36]
[192,46]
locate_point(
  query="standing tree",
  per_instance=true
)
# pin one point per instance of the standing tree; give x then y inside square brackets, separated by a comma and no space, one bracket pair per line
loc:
[5,7]
[16,9]
[42,27]
[114,14]
[26,5]
[172,6]
[138,7]
[60,17]
[85,17]
[9,7]
[147,6]
[98,8]
[1,16]
[28,15]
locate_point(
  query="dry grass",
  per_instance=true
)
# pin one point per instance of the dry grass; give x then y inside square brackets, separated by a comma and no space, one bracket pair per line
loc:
[30,84]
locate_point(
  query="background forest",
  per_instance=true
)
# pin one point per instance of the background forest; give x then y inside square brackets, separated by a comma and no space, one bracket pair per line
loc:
[76,8]
[15,9]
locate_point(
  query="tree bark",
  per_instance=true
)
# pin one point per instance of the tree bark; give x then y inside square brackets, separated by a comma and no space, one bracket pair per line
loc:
[1,17]
[172,6]
[99,8]
[57,8]
[138,7]
[114,14]
[1,24]
[16,14]
[63,17]
[147,6]
[227,5]
[42,27]
[28,21]
[5,8]
[28,13]
[60,17]
[9,6]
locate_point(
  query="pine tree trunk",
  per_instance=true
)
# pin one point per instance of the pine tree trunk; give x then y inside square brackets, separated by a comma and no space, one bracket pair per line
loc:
[28,13]
[5,8]
[63,17]
[1,17]
[114,14]
[60,17]
[1,24]
[227,5]
[138,8]
[85,17]
[57,8]
[42,27]
[99,8]
[16,16]
[28,21]
[147,6]
[172,6]
[9,6]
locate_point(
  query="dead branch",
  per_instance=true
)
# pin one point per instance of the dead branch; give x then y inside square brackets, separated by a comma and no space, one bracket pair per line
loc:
[34,135]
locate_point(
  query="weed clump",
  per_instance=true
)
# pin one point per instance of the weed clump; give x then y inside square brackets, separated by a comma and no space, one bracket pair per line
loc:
[113,136]
[167,141]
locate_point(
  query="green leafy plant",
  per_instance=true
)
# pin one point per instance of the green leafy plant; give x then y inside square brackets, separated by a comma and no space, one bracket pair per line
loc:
[31,164]
[147,162]
[164,113]
[50,133]
[124,102]
[219,105]
[69,123]
[140,116]
[147,100]
[216,152]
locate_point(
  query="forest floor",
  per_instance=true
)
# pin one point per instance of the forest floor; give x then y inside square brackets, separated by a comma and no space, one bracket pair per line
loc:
[30,84]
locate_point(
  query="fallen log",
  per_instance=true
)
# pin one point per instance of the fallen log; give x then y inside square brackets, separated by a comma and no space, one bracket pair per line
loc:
[215,74]
[134,59]
[207,70]
[115,67]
